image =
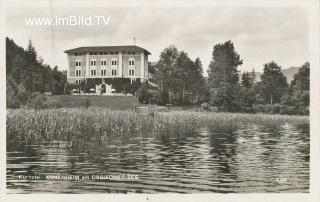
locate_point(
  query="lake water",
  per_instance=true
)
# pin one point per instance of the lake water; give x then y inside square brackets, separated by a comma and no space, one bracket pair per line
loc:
[243,159]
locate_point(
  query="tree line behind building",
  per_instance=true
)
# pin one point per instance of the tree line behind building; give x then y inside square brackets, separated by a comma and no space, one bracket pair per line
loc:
[179,81]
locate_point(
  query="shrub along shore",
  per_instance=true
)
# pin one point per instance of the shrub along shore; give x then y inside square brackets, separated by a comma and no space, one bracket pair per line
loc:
[81,124]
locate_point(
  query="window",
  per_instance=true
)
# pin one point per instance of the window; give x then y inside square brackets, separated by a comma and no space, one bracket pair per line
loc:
[113,72]
[131,53]
[105,53]
[103,72]
[131,72]
[93,72]
[114,62]
[78,72]
[103,62]
[78,81]
[78,63]
[131,62]
[92,62]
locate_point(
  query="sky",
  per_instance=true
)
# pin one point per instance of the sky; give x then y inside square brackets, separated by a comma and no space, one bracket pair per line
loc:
[260,35]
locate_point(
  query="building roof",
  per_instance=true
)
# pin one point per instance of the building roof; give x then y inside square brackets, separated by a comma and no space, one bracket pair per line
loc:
[107,48]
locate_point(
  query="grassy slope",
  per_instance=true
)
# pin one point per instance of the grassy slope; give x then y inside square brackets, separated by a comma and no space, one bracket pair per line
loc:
[112,102]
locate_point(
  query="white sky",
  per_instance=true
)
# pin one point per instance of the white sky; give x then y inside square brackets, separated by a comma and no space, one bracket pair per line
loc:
[259,34]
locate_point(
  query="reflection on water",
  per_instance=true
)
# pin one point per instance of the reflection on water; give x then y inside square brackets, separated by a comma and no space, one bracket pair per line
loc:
[229,160]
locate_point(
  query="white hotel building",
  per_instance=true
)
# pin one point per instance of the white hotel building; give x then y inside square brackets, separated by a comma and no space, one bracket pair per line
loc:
[107,62]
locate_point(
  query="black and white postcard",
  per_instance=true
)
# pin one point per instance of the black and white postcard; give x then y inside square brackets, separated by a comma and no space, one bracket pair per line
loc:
[167,100]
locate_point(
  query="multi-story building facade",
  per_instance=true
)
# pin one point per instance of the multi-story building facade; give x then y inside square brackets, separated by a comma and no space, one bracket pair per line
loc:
[107,62]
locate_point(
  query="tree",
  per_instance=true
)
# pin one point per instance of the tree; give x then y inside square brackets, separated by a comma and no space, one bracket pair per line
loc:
[223,76]
[273,83]
[29,74]
[11,91]
[143,95]
[58,81]
[181,74]
[299,92]
[247,93]
[22,94]
[179,78]
[18,64]
[31,51]
[188,77]
[248,79]
[199,87]
[166,67]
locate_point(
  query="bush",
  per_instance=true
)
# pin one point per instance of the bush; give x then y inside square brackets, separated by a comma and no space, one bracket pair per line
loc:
[87,103]
[11,91]
[147,95]
[286,109]
[51,103]
[143,93]
[276,108]
[261,108]
[22,94]
[37,101]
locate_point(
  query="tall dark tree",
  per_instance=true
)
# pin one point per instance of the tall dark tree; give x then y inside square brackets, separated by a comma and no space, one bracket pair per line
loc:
[18,64]
[199,87]
[223,76]
[29,75]
[273,83]
[11,92]
[248,79]
[31,51]
[247,93]
[299,92]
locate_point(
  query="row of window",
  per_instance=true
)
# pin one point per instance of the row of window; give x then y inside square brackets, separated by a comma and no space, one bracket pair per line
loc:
[104,62]
[104,72]
[105,53]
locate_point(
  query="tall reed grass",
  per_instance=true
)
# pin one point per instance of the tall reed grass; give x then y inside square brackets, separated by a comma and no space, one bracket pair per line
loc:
[81,124]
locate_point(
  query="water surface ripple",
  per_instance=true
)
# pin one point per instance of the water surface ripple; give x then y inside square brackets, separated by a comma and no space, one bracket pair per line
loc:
[245,159]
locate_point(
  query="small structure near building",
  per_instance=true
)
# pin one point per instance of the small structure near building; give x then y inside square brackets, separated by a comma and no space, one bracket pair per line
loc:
[104,89]
[92,90]
[47,93]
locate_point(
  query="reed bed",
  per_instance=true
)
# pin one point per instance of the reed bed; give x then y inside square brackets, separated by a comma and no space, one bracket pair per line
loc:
[70,124]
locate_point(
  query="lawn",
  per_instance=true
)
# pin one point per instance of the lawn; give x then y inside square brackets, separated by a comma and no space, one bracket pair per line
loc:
[112,102]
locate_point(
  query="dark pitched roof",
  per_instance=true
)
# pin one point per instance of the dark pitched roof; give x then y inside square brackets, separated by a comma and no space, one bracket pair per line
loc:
[107,48]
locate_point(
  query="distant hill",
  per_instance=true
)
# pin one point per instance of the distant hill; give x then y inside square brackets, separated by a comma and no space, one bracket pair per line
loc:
[289,73]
